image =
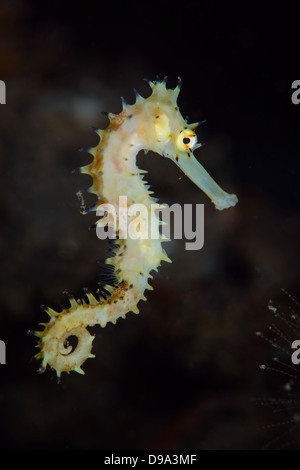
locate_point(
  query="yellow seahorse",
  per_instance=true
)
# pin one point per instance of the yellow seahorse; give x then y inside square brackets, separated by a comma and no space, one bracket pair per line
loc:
[152,123]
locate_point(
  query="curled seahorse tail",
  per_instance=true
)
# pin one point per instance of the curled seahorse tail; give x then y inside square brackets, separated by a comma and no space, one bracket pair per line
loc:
[55,348]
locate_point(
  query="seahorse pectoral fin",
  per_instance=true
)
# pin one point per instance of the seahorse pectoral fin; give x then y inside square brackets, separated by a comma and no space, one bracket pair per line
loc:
[197,173]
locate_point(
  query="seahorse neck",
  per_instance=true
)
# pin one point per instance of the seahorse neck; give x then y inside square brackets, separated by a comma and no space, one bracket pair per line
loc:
[120,173]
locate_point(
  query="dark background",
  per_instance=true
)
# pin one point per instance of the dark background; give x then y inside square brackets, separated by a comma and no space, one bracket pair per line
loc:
[184,373]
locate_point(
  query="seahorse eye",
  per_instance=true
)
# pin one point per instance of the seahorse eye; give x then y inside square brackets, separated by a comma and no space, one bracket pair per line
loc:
[186,139]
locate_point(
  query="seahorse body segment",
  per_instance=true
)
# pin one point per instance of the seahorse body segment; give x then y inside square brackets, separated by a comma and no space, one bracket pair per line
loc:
[152,123]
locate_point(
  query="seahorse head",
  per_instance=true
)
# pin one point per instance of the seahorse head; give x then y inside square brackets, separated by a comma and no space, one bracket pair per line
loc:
[174,138]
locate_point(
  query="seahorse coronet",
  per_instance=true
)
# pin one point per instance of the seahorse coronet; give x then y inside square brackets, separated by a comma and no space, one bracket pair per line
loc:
[152,123]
